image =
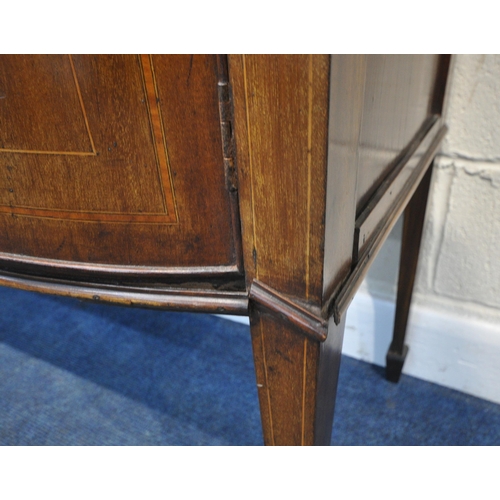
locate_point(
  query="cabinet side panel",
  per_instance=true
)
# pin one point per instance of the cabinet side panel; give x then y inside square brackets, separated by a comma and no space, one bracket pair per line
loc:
[401,92]
[346,111]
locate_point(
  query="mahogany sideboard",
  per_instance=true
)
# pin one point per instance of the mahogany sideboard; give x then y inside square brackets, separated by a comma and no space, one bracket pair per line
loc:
[260,185]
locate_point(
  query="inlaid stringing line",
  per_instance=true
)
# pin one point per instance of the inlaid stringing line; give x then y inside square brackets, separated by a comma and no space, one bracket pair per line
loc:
[147,82]
[78,91]
[267,382]
[164,141]
[99,216]
[70,153]
[250,163]
[309,165]
[36,152]
[304,376]
[264,359]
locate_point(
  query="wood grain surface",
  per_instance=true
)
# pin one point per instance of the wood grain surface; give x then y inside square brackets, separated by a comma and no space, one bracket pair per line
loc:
[281,111]
[286,365]
[114,160]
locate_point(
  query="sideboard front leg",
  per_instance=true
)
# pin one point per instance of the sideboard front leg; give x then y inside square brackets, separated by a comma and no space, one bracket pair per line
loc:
[296,378]
[413,224]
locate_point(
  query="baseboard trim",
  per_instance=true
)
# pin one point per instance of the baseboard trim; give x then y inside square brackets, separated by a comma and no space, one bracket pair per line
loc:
[455,351]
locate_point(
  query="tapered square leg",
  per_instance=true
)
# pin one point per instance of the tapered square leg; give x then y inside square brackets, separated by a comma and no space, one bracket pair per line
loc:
[296,379]
[414,217]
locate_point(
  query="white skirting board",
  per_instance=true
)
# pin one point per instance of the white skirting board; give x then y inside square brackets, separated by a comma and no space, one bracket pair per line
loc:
[454,351]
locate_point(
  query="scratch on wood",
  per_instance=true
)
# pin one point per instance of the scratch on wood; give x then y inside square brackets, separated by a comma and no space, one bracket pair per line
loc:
[61,245]
[284,356]
[189,71]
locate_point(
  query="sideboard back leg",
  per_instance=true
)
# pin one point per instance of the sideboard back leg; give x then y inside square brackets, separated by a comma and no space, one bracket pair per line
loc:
[296,379]
[413,224]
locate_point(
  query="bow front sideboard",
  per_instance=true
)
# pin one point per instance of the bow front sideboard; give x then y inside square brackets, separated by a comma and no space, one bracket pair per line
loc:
[259,185]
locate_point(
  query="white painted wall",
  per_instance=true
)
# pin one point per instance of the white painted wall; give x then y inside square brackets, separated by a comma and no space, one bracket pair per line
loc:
[462,241]
[454,332]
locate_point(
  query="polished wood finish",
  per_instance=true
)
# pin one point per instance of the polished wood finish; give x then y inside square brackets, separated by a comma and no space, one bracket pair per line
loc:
[260,185]
[286,364]
[114,160]
[296,380]
[345,120]
[281,118]
[413,224]
[190,297]
[327,379]
[303,317]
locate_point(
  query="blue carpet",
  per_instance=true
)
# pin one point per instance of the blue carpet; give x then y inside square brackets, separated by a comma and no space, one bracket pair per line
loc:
[75,373]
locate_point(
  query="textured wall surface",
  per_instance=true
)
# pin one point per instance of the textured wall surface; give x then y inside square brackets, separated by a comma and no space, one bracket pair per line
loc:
[460,260]
[474,109]
[454,327]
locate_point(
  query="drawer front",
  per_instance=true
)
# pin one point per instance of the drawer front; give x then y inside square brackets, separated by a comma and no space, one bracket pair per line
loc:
[114,160]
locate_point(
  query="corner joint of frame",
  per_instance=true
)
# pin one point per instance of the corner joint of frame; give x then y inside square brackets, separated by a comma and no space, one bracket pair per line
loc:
[302,316]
